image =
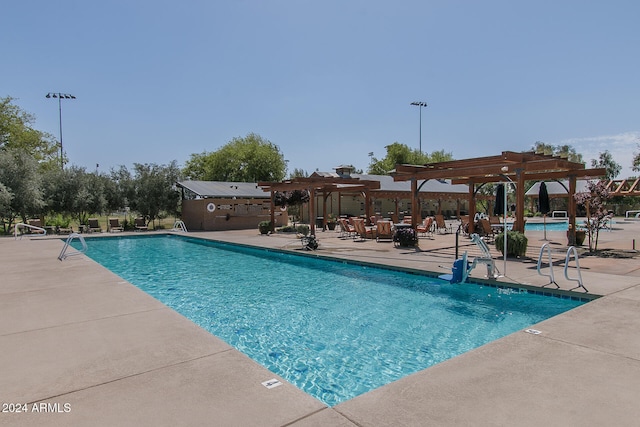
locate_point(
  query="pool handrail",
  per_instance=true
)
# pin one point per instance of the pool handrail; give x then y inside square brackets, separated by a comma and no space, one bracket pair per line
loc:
[179,226]
[29,226]
[572,250]
[63,253]
[552,279]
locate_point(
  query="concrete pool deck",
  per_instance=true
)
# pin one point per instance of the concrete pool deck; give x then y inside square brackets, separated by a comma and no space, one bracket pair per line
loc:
[80,346]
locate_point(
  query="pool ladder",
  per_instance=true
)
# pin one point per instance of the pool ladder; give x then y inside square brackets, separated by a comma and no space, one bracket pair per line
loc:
[552,281]
[63,253]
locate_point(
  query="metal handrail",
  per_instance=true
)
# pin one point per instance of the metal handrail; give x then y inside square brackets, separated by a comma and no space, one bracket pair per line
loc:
[179,226]
[552,279]
[29,226]
[63,253]
[578,279]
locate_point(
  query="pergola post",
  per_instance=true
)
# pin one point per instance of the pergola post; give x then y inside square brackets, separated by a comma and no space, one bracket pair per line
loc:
[415,208]
[472,206]
[519,200]
[572,210]
[272,209]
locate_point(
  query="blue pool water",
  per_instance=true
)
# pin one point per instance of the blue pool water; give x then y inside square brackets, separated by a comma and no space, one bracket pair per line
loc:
[333,329]
[551,226]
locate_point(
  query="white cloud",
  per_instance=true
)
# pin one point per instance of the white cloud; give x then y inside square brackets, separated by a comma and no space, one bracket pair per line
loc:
[621,146]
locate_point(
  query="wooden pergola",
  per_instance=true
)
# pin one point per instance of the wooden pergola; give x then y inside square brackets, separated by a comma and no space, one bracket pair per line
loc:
[509,166]
[320,185]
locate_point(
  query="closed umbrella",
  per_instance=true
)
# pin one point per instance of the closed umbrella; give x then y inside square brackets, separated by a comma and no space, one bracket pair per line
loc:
[498,207]
[543,205]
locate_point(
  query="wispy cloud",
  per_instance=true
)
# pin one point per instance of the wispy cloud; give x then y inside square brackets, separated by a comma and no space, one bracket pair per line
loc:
[622,147]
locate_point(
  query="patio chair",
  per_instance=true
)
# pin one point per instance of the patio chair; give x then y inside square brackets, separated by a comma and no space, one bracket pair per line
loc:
[36,223]
[426,227]
[442,225]
[365,232]
[93,225]
[486,229]
[384,231]
[114,225]
[463,227]
[140,224]
[346,229]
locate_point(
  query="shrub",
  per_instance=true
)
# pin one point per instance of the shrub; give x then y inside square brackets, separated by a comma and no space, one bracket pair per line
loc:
[264,227]
[405,237]
[303,229]
[516,243]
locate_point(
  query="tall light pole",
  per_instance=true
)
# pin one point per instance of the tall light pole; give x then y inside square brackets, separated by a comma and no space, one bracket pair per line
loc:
[420,104]
[60,96]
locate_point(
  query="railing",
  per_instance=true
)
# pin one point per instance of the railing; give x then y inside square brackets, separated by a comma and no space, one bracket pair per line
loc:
[572,250]
[179,226]
[552,279]
[29,226]
[63,253]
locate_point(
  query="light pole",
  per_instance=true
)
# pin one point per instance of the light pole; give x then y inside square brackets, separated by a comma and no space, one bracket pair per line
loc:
[60,96]
[420,104]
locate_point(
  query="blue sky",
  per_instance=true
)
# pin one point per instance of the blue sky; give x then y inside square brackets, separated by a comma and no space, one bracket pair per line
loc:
[327,81]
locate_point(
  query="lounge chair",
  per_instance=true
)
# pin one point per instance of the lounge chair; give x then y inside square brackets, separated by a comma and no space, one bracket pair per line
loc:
[36,223]
[384,231]
[441,225]
[426,227]
[365,232]
[463,227]
[93,225]
[140,224]
[486,229]
[346,229]
[114,225]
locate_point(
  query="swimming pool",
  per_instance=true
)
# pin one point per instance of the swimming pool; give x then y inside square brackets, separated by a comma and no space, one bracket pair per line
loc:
[335,330]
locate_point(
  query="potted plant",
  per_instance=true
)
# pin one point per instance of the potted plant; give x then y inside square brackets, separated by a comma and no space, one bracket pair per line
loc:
[264,227]
[516,243]
[331,222]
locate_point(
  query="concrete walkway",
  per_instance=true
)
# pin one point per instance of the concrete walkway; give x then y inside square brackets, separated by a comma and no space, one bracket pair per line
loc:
[80,346]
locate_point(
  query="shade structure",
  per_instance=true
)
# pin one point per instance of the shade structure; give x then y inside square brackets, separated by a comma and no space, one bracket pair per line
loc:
[498,207]
[543,199]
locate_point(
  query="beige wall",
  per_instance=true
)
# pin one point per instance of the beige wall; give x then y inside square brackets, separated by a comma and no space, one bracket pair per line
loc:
[229,214]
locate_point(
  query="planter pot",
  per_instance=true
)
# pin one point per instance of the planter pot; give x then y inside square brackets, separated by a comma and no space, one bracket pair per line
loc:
[331,226]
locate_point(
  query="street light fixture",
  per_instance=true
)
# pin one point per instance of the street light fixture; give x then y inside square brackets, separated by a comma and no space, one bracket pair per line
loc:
[60,96]
[420,104]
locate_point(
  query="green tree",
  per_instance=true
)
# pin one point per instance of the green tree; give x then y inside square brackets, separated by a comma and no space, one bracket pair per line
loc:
[605,160]
[298,173]
[16,132]
[401,154]
[595,202]
[153,190]
[20,177]
[75,192]
[635,163]
[248,159]
[566,151]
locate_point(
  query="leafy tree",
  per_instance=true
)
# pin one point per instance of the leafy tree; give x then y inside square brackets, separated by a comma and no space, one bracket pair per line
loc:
[594,201]
[606,161]
[298,173]
[635,164]
[75,192]
[21,180]
[16,132]
[248,159]
[153,190]
[401,154]
[565,151]
[119,191]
